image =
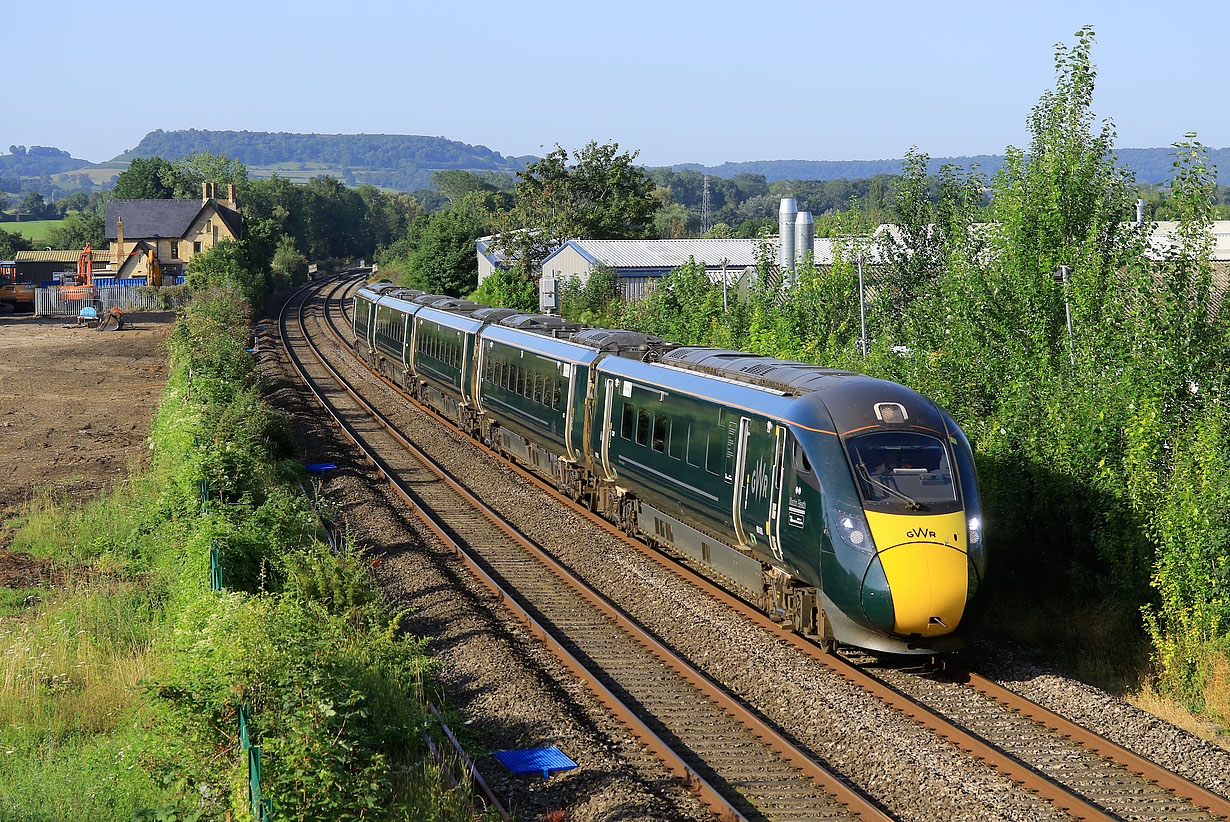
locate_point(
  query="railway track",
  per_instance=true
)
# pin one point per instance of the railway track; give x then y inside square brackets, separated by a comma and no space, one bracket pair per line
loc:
[1078,771]
[740,765]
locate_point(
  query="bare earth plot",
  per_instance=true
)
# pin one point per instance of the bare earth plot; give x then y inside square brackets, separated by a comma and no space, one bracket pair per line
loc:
[75,409]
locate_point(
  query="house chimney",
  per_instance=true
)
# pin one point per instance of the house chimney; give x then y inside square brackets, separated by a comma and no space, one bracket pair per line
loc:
[230,196]
[119,242]
[204,193]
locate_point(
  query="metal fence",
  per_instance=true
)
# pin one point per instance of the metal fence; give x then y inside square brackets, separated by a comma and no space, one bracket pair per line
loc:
[49,303]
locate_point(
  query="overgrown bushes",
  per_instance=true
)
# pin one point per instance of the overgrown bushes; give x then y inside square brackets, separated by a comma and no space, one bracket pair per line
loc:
[135,708]
[1102,456]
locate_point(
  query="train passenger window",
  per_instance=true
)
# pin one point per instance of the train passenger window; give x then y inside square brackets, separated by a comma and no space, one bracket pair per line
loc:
[628,422]
[801,463]
[537,391]
[520,380]
[557,394]
[642,426]
[679,439]
[659,432]
[505,375]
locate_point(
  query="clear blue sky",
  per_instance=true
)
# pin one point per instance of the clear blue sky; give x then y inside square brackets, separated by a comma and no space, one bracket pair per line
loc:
[680,81]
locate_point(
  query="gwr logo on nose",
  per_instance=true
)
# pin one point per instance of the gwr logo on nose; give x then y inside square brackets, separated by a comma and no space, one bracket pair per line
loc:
[919,533]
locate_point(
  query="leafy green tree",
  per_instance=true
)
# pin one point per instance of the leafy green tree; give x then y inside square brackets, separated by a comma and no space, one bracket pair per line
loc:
[77,201]
[443,260]
[206,167]
[599,195]
[148,178]
[508,288]
[11,242]
[76,230]
[225,265]
[289,266]
[33,206]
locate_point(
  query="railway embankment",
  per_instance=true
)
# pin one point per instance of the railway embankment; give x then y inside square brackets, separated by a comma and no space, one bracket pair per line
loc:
[197,588]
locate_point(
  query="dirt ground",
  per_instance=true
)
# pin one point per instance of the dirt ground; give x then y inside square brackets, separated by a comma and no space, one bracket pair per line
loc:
[75,409]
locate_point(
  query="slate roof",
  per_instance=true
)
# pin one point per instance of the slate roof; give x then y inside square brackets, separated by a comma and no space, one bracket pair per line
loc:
[161,218]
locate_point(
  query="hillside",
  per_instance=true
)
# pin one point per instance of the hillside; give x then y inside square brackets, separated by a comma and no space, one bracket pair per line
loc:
[1152,165]
[397,161]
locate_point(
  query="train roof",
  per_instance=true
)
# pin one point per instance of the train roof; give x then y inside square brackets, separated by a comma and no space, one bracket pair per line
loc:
[548,324]
[786,376]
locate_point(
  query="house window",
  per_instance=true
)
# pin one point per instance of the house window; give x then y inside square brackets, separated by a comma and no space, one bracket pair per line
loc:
[209,226]
[174,250]
[196,248]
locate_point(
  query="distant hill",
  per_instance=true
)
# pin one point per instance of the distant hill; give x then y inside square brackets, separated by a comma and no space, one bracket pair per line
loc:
[36,161]
[396,161]
[1152,165]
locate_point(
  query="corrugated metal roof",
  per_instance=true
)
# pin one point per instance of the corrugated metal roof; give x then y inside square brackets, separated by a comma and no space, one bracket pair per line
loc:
[667,253]
[69,256]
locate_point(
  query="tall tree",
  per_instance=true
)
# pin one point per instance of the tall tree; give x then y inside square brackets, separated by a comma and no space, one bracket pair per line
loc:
[148,178]
[599,195]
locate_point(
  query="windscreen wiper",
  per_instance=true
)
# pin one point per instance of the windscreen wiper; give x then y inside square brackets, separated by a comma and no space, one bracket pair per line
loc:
[910,502]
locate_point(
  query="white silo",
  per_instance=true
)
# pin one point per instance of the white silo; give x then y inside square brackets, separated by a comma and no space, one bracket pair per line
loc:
[786,214]
[804,236]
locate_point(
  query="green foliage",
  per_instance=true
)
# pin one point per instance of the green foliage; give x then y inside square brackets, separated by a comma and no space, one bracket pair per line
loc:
[11,242]
[588,301]
[1102,458]
[76,230]
[147,178]
[437,254]
[508,289]
[289,265]
[599,195]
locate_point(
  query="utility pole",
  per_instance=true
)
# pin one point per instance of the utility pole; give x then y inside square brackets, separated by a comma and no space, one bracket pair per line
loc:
[725,262]
[862,307]
[1062,275]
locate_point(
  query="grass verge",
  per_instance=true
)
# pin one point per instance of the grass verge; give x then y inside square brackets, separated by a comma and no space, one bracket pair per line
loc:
[120,684]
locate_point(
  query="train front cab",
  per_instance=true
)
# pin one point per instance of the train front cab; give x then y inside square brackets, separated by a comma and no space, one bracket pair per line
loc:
[901,558]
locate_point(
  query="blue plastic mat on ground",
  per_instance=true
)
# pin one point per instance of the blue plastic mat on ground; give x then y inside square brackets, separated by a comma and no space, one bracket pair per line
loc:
[535,760]
[320,467]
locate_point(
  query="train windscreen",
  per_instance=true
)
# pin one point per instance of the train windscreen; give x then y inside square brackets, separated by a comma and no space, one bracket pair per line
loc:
[902,469]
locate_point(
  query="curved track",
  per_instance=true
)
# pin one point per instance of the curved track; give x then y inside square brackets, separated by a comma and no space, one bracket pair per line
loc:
[1077,770]
[741,766]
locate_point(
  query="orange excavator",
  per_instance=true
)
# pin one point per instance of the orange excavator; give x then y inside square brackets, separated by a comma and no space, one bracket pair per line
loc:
[82,286]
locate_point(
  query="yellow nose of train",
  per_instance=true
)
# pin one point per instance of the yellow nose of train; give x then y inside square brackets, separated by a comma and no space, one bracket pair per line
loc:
[926,568]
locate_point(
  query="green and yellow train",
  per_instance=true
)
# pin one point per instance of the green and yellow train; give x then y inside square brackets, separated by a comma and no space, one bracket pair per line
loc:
[844,505]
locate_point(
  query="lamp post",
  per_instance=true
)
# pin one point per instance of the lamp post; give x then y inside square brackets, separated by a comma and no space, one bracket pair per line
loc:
[1062,274]
[725,261]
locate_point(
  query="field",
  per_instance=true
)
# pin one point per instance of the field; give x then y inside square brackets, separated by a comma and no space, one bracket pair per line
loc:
[33,230]
[75,406]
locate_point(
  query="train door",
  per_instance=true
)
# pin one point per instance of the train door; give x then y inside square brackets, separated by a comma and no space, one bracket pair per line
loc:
[608,429]
[775,491]
[757,463]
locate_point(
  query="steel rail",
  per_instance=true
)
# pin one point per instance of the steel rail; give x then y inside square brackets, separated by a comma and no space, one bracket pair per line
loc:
[1056,793]
[859,805]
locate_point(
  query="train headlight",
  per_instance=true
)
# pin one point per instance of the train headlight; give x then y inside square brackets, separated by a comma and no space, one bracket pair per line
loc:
[975,531]
[853,529]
